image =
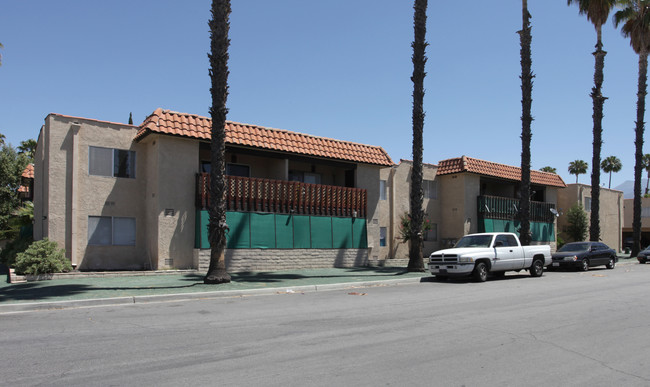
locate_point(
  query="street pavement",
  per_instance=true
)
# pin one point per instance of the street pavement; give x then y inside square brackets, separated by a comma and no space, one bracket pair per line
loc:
[85,292]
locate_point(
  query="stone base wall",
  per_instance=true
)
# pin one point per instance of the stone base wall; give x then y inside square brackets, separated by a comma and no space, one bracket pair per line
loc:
[239,260]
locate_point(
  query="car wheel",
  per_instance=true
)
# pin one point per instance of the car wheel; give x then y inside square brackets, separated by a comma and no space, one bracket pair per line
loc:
[480,272]
[585,265]
[642,261]
[611,263]
[442,277]
[537,268]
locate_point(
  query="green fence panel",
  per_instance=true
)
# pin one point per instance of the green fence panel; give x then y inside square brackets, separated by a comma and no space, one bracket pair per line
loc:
[359,233]
[262,230]
[283,231]
[342,233]
[321,232]
[301,232]
[201,240]
[239,235]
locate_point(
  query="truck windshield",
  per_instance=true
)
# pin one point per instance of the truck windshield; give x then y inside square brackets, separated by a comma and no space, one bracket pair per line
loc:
[475,241]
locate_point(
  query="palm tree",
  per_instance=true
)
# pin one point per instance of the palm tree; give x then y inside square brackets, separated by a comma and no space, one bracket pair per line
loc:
[416,263]
[526,120]
[219,42]
[635,19]
[646,166]
[609,165]
[597,12]
[28,147]
[578,167]
[548,169]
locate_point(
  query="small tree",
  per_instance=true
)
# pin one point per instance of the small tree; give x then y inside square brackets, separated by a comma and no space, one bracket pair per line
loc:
[12,166]
[405,227]
[578,225]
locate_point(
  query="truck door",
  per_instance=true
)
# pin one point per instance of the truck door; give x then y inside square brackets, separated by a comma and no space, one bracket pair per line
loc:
[505,253]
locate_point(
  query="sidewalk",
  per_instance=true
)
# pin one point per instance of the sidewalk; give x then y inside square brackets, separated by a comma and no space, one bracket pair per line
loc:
[61,293]
[130,289]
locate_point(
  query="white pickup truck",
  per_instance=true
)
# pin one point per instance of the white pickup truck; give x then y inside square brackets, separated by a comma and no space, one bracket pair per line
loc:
[480,254]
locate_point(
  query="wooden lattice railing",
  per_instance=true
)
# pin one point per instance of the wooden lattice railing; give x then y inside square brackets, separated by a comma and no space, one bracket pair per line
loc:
[279,196]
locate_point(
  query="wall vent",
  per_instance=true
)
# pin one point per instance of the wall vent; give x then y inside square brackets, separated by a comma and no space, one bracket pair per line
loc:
[169,261]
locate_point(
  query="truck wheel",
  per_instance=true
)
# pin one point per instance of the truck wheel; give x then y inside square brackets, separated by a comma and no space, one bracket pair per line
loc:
[611,263]
[585,265]
[537,268]
[480,272]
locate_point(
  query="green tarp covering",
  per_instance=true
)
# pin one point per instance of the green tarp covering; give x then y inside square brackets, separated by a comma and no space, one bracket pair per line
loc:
[285,231]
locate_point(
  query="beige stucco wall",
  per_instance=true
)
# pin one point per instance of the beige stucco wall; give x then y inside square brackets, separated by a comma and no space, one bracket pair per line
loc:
[458,193]
[68,195]
[629,214]
[171,195]
[378,211]
[400,188]
[611,213]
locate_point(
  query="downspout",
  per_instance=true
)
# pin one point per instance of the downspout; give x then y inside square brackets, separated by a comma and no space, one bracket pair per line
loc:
[75,126]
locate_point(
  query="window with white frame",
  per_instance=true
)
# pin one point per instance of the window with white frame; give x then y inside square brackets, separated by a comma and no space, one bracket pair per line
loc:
[382,190]
[111,162]
[111,231]
[587,204]
[430,189]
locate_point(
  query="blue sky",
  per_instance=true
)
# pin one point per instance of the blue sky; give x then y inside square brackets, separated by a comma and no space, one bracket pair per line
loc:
[337,68]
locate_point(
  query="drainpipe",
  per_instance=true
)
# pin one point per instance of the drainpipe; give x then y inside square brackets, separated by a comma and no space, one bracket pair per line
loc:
[75,127]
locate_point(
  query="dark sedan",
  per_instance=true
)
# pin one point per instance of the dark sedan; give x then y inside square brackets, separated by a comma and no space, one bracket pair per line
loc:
[644,255]
[583,255]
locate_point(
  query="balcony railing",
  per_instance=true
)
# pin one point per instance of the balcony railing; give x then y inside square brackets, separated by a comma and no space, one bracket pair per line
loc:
[496,207]
[279,196]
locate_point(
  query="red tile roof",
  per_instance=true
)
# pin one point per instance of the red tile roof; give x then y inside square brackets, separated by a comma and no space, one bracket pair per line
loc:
[194,126]
[488,168]
[28,173]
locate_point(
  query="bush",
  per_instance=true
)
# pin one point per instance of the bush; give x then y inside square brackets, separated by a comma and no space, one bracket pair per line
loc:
[578,224]
[11,250]
[42,257]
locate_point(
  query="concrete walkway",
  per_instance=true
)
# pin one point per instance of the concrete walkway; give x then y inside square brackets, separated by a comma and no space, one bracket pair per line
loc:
[130,289]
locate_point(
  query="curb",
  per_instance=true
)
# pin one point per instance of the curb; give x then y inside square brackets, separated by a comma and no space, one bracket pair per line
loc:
[146,299]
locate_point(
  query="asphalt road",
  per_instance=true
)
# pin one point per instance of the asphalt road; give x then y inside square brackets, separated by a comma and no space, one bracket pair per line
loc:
[565,328]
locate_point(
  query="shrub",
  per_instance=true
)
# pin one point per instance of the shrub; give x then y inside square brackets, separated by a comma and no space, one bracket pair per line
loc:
[405,226]
[42,257]
[578,224]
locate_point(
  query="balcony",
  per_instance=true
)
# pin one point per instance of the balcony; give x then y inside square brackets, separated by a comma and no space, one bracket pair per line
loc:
[495,207]
[278,196]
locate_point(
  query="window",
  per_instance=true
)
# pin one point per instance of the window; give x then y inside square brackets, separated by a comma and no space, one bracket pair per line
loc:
[505,240]
[382,189]
[430,188]
[107,231]
[111,162]
[432,234]
[588,204]
[238,170]
[305,177]
[382,236]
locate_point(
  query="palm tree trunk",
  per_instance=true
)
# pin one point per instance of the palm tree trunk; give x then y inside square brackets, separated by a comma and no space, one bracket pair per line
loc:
[416,263]
[638,153]
[526,120]
[598,102]
[219,42]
